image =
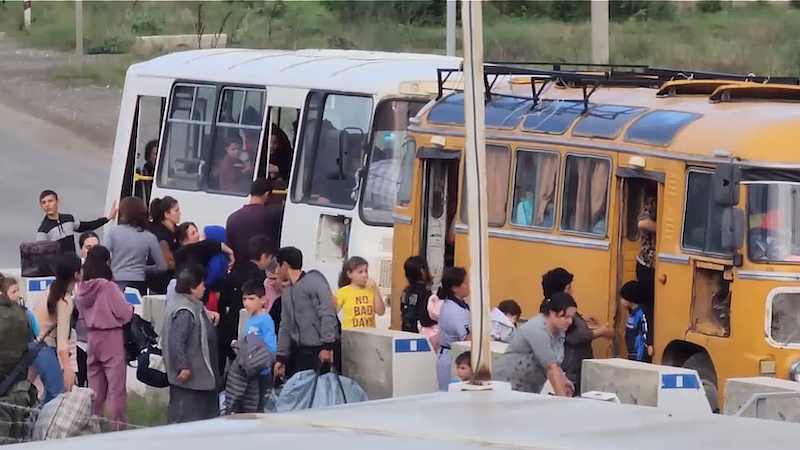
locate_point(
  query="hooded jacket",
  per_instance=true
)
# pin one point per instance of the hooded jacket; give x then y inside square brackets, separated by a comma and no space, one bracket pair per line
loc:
[218,264]
[102,305]
[501,326]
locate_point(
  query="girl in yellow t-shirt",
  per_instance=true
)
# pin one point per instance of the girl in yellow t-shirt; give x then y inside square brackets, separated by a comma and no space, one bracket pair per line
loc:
[358,296]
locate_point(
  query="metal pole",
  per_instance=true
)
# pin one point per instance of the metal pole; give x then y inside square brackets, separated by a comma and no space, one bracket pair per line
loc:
[79,27]
[600,38]
[474,97]
[451,27]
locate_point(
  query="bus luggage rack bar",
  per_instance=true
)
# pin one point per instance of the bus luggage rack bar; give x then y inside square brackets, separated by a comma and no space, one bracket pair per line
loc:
[616,75]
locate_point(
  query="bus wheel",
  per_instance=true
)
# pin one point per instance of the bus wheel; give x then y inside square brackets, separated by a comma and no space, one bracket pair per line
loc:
[708,377]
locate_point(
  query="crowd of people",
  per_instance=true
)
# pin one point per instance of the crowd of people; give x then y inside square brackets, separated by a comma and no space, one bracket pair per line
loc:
[209,276]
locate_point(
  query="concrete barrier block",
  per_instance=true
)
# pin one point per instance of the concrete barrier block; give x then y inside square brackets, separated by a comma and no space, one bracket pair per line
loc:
[152,44]
[153,310]
[151,394]
[388,363]
[739,390]
[636,383]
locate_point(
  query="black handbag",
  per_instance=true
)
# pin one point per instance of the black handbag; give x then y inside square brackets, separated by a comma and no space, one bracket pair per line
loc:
[139,335]
[150,367]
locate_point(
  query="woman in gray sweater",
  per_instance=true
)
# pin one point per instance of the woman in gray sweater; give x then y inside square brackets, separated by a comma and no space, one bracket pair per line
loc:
[190,351]
[132,246]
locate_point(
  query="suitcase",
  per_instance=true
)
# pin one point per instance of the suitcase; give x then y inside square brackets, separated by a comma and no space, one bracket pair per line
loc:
[37,259]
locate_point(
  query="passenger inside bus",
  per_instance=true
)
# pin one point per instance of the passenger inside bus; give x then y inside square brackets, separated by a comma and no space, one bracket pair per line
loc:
[280,154]
[645,262]
[586,195]
[336,166]
[143,188]
[769,241]
[235,174]
[535,189]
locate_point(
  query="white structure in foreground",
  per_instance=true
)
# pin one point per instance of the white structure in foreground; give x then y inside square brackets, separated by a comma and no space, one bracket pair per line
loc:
[459,421]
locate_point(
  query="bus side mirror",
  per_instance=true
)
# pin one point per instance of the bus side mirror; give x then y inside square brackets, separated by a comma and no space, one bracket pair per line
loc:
[733,227]
[727,177]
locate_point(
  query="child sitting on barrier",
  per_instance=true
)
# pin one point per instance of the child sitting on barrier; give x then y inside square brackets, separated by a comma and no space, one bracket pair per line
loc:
[637,333]
[463,367]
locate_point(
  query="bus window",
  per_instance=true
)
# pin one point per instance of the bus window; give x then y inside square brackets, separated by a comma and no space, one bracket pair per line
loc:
[774,221]
[188,136]
[390,144]
[702,218]
[238,131]
[332,149]
[585,203]
[498,163]
[534,189]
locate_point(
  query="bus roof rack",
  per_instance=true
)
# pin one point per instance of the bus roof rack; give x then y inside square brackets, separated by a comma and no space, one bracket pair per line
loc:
[631,75]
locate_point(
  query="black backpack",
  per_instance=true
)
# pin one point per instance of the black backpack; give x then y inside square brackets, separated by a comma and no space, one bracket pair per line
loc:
[139,335]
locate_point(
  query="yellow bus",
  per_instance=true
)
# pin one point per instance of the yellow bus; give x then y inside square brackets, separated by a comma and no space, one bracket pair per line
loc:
[571,157]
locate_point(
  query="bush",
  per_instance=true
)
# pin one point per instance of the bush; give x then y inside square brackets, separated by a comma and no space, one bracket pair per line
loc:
[710,6]
[794,4]
[143,23]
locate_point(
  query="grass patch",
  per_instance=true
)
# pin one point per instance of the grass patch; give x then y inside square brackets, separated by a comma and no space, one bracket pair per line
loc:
[763,39]
[145,414]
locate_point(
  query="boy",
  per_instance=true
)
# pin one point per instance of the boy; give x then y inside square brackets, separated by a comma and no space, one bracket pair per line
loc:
[62,227]
[637,331]
[259,323]
[463,367]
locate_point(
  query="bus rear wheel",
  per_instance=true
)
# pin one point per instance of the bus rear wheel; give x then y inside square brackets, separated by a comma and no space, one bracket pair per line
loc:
[701,363]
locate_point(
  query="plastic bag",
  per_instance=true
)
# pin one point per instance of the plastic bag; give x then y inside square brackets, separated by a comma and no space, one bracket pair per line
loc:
[309,390]
[271,400]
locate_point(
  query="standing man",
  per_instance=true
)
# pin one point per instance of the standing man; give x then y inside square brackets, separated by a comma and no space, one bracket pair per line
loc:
[62,227]
[254,219]
[309,328]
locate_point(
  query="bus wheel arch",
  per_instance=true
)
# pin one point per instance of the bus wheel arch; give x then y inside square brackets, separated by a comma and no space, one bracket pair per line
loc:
[692,356]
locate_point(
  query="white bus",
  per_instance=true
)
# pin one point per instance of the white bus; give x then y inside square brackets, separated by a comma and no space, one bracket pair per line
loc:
[345,114]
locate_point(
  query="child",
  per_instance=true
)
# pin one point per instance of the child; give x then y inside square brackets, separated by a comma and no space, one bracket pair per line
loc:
[234,173]
[503,320]
[463,367]
[259,323]
[10,288]
[358,296]
[414,299]
[637,332]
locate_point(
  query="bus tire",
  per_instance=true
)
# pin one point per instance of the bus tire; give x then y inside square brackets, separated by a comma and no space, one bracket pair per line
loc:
[701,363]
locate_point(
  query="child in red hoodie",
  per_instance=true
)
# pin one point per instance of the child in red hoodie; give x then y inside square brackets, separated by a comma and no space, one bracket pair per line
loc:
[105,311]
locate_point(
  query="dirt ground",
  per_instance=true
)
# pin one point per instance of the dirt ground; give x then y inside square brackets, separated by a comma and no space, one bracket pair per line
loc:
[90,112]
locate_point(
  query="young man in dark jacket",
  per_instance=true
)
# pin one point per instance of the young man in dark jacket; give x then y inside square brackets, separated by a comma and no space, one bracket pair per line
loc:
[61,228]
[309,330]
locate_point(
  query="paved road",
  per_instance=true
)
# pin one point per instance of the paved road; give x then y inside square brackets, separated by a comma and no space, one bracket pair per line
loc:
[35,155]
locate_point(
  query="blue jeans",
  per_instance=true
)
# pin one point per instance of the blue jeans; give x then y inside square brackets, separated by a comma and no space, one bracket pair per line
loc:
[49,370]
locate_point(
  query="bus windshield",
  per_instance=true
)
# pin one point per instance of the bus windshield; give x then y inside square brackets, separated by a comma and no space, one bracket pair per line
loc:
[390,143]
[773,211]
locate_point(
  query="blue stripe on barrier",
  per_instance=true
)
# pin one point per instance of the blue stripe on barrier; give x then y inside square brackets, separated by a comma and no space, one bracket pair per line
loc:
[39,285]
[132,298]
[679,381]
[411,345]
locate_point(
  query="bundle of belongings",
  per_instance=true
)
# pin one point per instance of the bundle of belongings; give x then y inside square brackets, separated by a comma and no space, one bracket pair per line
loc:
[68,415]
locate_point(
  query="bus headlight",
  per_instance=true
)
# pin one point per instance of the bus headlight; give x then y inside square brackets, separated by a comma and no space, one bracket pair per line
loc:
[794,371]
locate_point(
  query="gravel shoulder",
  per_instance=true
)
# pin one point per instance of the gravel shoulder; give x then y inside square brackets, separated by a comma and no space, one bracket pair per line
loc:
[91,111]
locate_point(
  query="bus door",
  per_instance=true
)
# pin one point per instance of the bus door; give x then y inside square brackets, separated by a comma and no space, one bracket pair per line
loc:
[439,200]
[140,163]
[275,157]
[325,182]
[635,187]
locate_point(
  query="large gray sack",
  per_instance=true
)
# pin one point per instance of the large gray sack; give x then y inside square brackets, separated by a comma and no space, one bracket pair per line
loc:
[308,390]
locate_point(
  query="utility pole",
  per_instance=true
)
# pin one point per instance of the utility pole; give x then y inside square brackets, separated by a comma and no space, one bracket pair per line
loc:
[600,38]
[477,209]
[79,27]
[451,27]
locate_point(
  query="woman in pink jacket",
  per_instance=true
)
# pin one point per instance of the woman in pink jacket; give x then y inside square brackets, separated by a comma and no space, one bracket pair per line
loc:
[104,310]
